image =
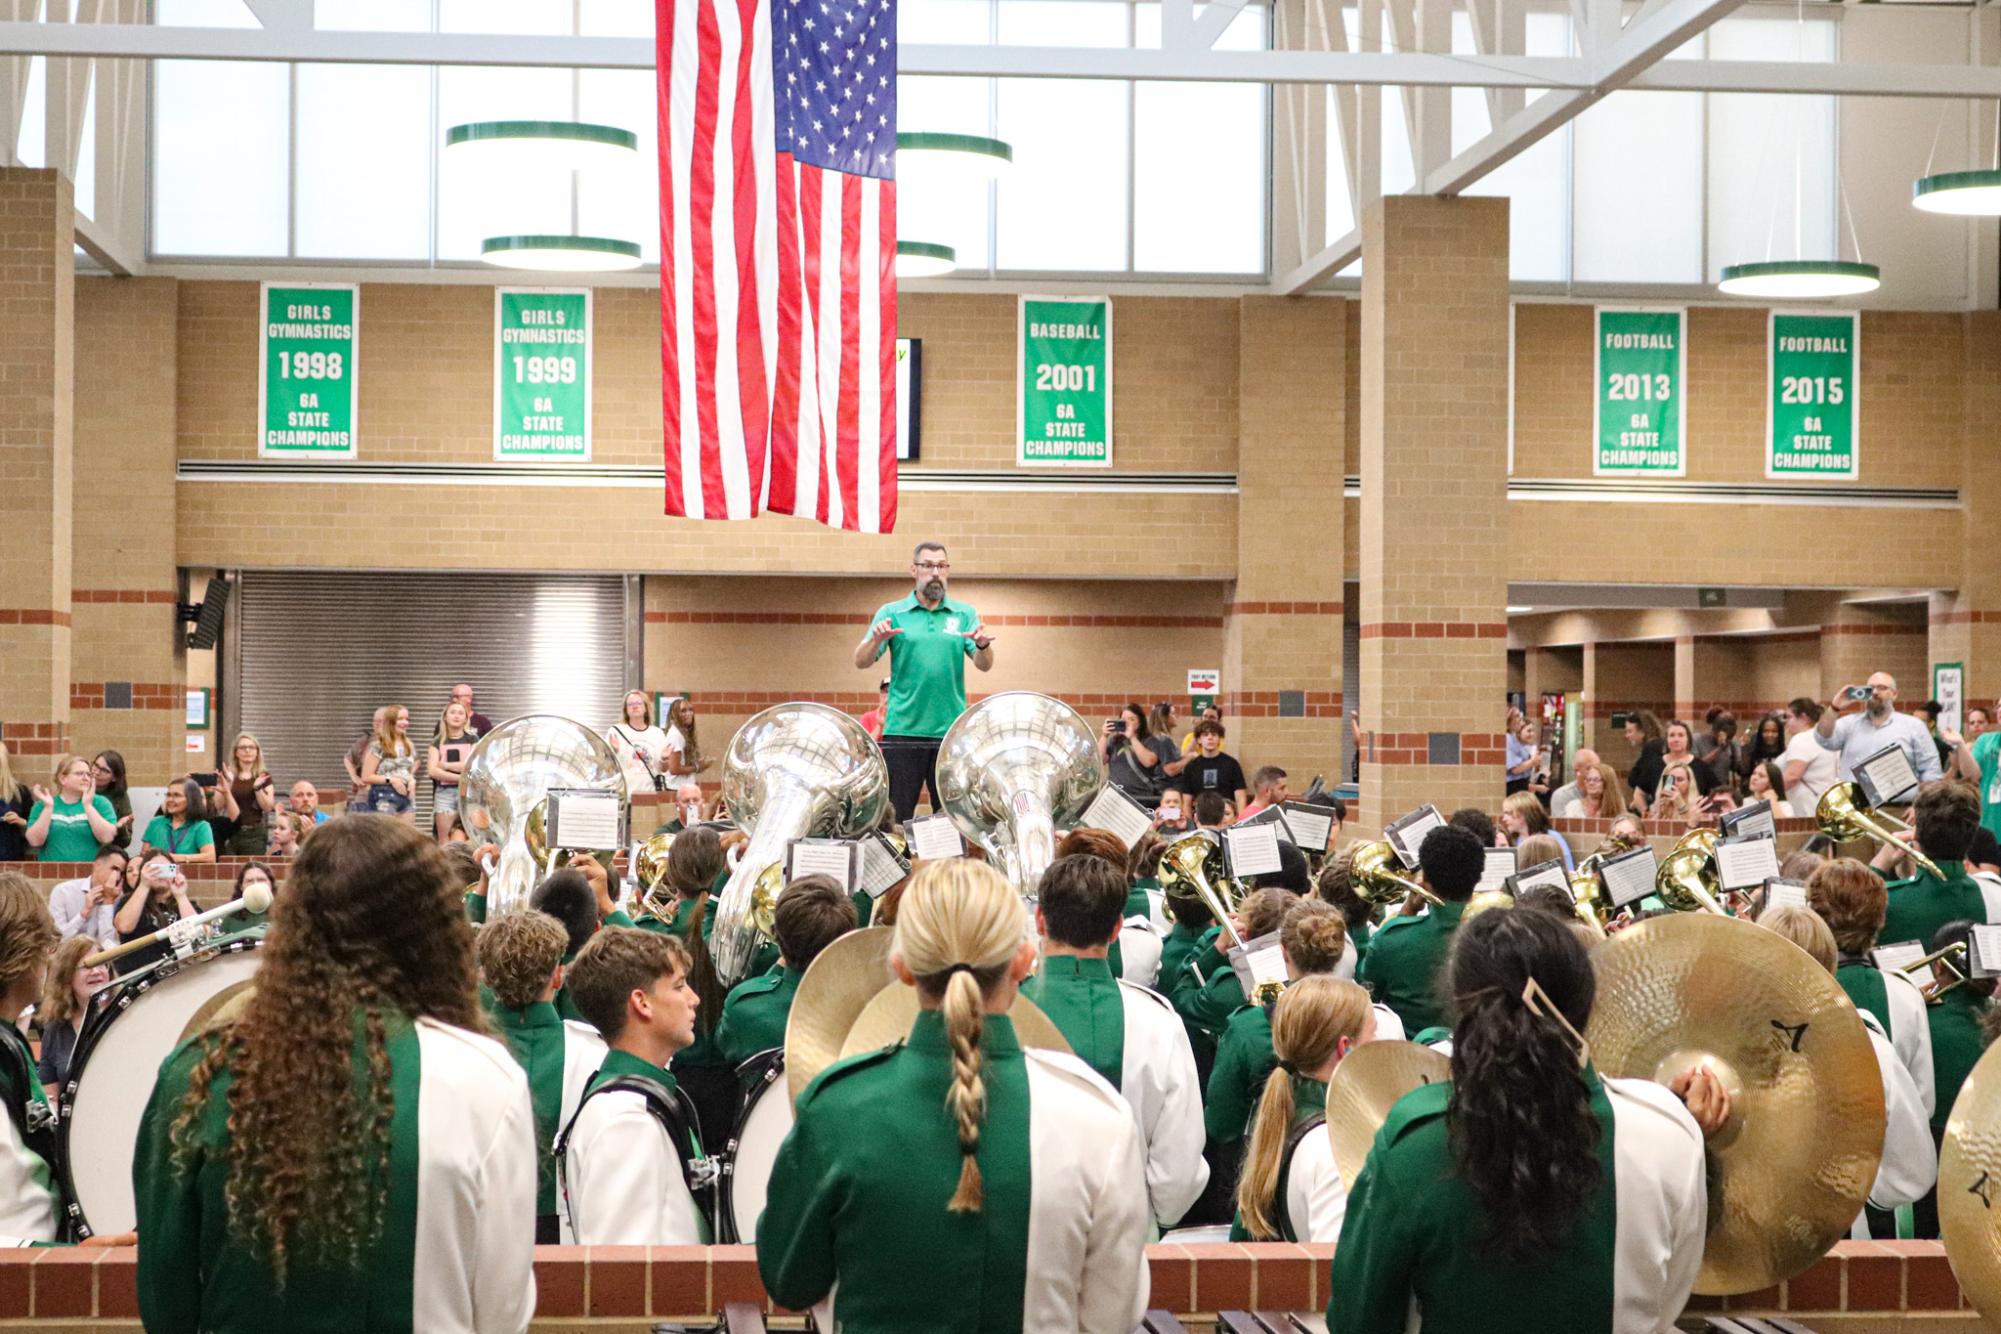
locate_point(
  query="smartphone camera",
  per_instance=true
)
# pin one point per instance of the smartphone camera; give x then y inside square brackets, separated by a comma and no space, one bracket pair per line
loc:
[1118,726]
[1858,693]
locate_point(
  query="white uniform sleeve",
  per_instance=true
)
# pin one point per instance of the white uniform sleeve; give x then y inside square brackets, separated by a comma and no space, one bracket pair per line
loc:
[625,1182]
[1316,1197]
[1911,1033]
[1910,1166]
[1389,1025]
[1166,1097]
[503,1261]
[1113,1297]
[1139,949]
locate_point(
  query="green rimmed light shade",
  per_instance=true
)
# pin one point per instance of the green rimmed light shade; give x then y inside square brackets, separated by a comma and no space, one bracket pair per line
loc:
[922,259]
[560,145]
[560,254]
[1800,279]
[1972,194]
[972,154]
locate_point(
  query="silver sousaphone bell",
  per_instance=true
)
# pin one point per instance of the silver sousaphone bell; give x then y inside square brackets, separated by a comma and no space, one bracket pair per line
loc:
[797,770]
[1011,770]
[504,793]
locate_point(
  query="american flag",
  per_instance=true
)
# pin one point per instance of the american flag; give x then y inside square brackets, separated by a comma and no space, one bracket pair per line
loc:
[778,255]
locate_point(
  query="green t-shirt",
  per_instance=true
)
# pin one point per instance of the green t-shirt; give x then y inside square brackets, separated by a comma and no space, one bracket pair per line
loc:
[70,839]
[1987,753]
[190,837]
[927,664]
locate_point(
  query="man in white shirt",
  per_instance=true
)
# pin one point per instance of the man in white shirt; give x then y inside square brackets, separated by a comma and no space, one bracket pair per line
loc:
[1857,737]
[1810,769]
[1585,758]
[84,907]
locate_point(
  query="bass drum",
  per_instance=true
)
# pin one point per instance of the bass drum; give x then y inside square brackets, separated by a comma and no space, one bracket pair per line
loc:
[761,1126]
[117,1062]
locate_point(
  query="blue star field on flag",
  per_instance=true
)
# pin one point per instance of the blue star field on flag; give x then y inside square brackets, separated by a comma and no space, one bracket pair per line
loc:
[834,78]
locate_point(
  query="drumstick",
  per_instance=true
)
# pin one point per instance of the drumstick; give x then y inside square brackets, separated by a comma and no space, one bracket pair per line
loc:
[257,898]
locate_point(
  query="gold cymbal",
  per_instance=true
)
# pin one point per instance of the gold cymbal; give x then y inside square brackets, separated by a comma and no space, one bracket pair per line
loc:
[889,1015]
[1969,1180]
[1366,1084]
[836,989]
[1796,1160]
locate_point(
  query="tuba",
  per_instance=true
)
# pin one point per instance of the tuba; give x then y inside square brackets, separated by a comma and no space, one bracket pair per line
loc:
[1192,867]
[1010,770]
[797,770]
[1843,817]
[1376,874]
[1687,880]
[504,795]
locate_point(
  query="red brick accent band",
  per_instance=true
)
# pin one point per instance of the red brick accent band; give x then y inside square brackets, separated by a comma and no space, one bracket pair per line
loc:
[1240,704]
[158,695]
[66,1284]
[146,595]
[859,620]
[1869,631]
[1475,748]
[1435,630]
[1284,609]
[32,616]
[1968,618]
[26,738]
[1601,709]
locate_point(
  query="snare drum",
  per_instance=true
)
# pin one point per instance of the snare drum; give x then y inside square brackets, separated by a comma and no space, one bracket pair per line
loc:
[117,1062]
[761,1126]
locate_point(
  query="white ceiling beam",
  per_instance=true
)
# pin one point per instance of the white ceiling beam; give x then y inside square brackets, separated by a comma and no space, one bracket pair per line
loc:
[1317,269]
[1220,14]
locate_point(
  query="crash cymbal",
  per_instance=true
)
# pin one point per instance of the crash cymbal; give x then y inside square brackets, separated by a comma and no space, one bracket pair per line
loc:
[837,987]
[1366,1084]
[1799,1153]
[889,1015]
[1969,1186]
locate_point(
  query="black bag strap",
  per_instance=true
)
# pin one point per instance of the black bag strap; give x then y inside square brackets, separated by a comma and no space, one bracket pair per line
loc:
[1294,1138]
[676,1115]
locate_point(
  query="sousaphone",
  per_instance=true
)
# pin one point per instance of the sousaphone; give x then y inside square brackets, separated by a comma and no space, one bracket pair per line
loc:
[504,795]
[1011,770]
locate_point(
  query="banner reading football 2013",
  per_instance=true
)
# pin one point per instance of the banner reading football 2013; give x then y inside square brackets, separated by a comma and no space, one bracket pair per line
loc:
[542,374]
[1064,415]
[306,371]
[1815,395]
[1642,366]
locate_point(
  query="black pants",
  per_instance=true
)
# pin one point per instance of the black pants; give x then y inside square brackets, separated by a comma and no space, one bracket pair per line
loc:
[912,761]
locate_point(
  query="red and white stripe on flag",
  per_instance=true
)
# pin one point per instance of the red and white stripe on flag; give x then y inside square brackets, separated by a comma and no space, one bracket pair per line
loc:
[777,294]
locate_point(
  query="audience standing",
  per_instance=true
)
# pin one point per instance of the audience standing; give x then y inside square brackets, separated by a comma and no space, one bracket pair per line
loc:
[181,828]
[244,796]
[1643,731]
[71,823]
[476,722]
[640,745]
[16,800]
[108,768]
[1132,765]
[445,762]
[389,768]
[1856,737]
[1208,768]
[685,761]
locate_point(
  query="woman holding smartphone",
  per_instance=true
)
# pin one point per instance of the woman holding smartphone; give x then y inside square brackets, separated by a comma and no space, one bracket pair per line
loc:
[445,762]
[160,900]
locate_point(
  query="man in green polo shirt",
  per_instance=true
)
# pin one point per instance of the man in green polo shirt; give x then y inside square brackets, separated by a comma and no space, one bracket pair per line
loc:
[928,637]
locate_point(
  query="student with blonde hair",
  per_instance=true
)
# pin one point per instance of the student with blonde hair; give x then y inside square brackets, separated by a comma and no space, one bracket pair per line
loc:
[1290,1189]
[1001,1188]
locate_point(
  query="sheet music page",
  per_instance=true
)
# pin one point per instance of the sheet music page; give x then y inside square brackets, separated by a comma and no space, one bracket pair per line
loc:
[1499,866]
[1754,820]
[1543,873]
[1895,958]
[934,838]
[584,819]
[1629,877]
[1116,813]
[1785,893]
[828,857]
[1312,826]
[1253,850]
[1407,834]
[1887,775]
[1746,863]
[880,869]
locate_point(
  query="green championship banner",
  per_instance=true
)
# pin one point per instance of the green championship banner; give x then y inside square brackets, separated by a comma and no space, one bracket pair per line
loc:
[541,374]
[1064,410]
[306,371]
[1642,367]
[1814,395]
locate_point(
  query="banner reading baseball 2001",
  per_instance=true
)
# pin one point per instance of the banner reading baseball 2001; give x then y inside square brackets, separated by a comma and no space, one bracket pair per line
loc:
[1641,370]
[542,374]
[306,371]
[1815,398]
[1064,413]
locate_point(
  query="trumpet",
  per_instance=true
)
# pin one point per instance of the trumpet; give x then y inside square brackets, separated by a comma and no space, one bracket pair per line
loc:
[1934,988]
[1375,871]
[1192,867]
[1687,880]
[1842,816]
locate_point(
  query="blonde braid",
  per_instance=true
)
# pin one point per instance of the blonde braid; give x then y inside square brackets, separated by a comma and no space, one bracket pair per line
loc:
[965,1019]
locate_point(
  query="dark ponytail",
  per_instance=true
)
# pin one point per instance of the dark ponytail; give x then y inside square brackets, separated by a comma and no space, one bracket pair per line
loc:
[693,865]
[1520,1120]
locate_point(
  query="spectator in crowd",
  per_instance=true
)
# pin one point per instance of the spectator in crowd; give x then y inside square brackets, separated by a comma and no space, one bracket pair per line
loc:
[1643,732]
[160,900]
[84,907]
[1680,753]
[108,768]
[1856,737]
[1978,721]
[685,761]
[1597,797]
[1676,802]
[249,874]
[1208,768]
[476,722]
[287,832]
[1131,764]
[1539,850]
[1525,758]
[1212,713]
[1569,792]
[305,802]
[1268,788]
[1766,782]
[16,800]
[389,770]
[1927,713]
[1160,722]
[181,828]
[70,824]
[1170,817]
[872,720]
[65,1005]
[1720,750]
[244,796]
[1806,767]
[445,764]
[1765,746]
[1979,763]
[687,811]
[1523,814]
[1628,830]
[640,745]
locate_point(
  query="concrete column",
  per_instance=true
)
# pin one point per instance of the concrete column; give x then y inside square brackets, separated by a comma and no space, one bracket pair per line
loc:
[1282,627]
[37,278]
[1685,692]
[1434,494]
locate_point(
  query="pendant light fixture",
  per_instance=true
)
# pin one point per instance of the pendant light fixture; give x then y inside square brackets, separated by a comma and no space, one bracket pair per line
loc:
[922,259]
[560,254]
[548,145]
[1966,194]
[967,154]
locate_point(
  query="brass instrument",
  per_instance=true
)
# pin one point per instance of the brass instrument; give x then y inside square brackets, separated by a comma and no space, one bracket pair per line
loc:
[1587,893]
[649,869]
[1367,1083]
[1843,817]
[1486,900]
[1932,988]
[1377,876]
[504,795]
[1687,879]
[1193,867]
[1012,770]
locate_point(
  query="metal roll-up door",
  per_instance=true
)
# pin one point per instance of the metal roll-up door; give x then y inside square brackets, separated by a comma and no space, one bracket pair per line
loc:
[314,654]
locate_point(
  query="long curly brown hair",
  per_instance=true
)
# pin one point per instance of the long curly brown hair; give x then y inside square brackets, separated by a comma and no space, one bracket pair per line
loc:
[370,931]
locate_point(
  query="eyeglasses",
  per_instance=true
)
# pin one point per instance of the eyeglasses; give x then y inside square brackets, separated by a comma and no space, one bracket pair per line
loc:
[933,566]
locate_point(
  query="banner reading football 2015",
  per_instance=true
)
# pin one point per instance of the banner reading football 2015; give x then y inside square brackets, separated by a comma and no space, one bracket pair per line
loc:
[542,374]
[1064,416]
[306,371]
[1815,396]
[1642,366]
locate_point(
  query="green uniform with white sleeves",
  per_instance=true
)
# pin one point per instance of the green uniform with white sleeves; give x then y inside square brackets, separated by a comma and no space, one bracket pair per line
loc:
[29,1203]
[927,664]
[1922,904]
[1411,1254]
[859,1220]
[456,1248]
[1405,955]
[560,1056]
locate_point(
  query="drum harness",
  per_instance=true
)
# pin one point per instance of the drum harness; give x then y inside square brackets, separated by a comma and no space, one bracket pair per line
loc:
[676,1115]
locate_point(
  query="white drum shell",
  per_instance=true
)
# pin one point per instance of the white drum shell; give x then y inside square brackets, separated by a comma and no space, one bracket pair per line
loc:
[765,1122]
